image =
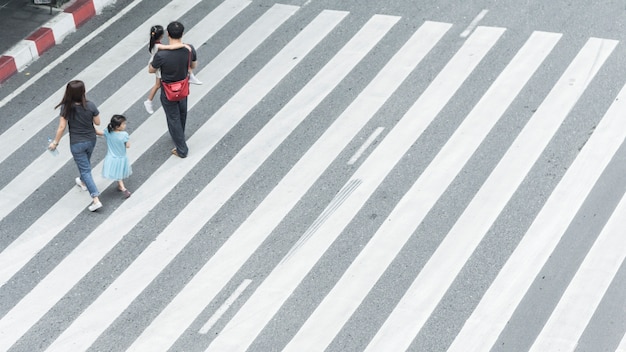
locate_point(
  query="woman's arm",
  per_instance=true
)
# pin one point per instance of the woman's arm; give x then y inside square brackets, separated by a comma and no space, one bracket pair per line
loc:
[57,137]
[96,120]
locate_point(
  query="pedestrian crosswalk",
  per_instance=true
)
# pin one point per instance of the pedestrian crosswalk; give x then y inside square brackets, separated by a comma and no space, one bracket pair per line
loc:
[415,204]
[251,290]
[549,225]
[493,196]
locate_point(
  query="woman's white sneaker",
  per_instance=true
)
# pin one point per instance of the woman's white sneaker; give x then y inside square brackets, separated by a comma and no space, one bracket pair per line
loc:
[95,206]
[80,184]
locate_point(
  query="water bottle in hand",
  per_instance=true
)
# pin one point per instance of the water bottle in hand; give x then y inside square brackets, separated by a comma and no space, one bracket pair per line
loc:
[54,152]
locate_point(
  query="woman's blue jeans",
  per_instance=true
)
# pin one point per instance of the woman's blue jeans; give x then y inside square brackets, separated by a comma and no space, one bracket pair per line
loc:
[81,152]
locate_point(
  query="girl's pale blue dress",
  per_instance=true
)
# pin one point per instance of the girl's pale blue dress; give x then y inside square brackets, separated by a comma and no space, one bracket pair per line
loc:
[116,164]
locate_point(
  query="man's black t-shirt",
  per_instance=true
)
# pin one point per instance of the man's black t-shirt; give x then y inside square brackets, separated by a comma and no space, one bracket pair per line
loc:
[174,64]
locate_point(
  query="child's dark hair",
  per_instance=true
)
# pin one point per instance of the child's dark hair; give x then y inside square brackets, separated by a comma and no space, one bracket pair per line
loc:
[116,121]
[156,33]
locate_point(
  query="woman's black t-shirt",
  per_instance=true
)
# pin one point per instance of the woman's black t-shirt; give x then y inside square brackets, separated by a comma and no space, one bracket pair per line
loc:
[81,124]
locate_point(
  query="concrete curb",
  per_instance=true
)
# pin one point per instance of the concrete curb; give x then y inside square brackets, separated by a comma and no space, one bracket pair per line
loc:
[50,34]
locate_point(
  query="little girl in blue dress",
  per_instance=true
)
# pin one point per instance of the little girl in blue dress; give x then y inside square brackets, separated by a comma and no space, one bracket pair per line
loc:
[116,165]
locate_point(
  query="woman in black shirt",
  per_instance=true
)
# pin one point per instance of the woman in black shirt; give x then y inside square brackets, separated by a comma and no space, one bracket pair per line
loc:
[80,115]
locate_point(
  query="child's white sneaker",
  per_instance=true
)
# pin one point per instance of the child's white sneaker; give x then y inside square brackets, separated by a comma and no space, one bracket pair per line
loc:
[148,105]
[193,79]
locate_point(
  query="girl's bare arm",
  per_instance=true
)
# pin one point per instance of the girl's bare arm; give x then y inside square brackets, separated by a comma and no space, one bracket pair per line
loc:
[170,46]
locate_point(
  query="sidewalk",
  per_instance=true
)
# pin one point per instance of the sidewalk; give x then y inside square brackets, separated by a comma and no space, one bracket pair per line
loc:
[28,30]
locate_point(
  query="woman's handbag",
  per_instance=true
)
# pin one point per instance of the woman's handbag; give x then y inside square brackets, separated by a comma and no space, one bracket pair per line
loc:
[179,90]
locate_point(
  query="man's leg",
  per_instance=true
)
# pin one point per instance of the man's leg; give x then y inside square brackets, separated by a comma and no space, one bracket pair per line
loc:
[182,106]
[174,125]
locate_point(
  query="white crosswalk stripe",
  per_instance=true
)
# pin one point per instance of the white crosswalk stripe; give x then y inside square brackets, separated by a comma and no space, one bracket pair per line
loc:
[259,225]
[622,345]
[466,234]
[580,300]
[531,141]
[392,235]
[284,278]
[367,66]
[311,95]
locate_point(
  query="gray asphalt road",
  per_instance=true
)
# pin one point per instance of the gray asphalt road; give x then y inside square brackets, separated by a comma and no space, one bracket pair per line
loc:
[19,18]
[362,177]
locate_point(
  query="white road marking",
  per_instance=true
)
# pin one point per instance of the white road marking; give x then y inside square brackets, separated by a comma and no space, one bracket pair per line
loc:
[224,307]
[241,331]
[216,273]
[167,327]
[622,345]
[474,23]
[341,302]
[366,145]
[584,293]
[497,305]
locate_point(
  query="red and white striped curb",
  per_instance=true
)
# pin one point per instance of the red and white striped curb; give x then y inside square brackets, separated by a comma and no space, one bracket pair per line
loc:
[50,34]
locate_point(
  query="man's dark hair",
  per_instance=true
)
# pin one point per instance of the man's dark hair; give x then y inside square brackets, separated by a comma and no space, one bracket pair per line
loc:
[175,30]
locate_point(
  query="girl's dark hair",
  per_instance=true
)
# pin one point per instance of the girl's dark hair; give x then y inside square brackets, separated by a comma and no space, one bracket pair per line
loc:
[116,121]
[74,93]
[156,33]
